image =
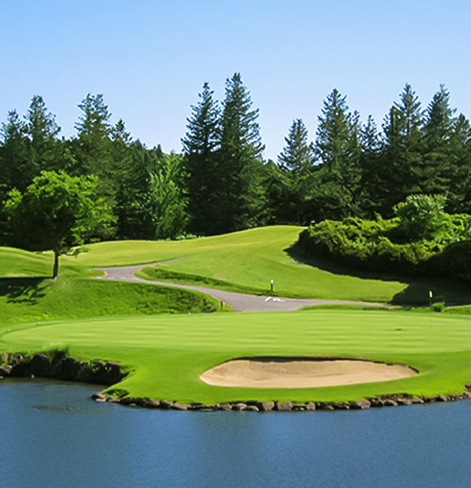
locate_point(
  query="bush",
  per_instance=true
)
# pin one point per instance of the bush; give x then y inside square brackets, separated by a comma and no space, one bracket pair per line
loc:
[383,246]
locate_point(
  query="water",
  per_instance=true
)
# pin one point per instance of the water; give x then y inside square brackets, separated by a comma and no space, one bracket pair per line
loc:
[52,435]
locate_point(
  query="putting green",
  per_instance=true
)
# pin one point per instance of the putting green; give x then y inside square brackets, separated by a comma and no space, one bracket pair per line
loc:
[168,354]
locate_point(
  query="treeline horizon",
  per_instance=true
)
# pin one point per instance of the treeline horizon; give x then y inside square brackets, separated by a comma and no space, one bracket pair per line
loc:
[220,182]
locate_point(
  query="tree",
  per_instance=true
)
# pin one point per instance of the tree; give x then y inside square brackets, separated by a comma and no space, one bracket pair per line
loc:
[338,150]
[402,149]
[459,199]
[167,202]
[131,175]
[371,191]
[15,172]
[241,202]
[42,131]
[200,146]
[433,171]
[297,159]
[92,145]
[55,212]
[421,216]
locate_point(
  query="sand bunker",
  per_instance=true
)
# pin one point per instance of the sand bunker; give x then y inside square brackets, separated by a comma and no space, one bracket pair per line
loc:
[301,372]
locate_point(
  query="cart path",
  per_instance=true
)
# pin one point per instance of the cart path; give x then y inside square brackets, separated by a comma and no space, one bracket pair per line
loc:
[238,301]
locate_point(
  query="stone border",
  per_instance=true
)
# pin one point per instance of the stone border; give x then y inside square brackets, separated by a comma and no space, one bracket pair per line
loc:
[58,365]
[280,406]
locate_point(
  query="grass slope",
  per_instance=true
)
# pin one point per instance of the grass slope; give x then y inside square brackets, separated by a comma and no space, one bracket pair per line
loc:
[168,354]
[246,261]
[27,293]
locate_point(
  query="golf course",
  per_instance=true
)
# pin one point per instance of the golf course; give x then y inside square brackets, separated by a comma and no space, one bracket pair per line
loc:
[169,338]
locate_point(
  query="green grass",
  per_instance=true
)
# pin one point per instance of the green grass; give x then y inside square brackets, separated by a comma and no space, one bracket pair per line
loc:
[16,263]
[168,354]
[27,293]
[247,261]
[23,299]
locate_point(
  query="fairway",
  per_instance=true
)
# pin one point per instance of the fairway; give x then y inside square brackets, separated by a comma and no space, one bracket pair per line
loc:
[247,261]
[168,354]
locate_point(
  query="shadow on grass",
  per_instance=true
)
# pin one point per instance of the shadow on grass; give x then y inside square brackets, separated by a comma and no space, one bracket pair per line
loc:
[23,290]
[416,293]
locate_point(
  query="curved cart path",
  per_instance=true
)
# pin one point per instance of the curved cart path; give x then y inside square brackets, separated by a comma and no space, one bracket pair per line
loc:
[238,301]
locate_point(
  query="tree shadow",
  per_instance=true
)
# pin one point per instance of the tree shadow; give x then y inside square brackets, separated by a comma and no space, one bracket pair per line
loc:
[23,290]
[416,293]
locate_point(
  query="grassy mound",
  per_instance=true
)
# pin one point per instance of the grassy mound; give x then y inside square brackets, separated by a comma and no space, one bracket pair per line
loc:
[168,354]
[28,294]
[23,299]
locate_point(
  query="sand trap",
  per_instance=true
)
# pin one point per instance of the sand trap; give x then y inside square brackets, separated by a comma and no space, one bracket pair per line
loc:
[301,372]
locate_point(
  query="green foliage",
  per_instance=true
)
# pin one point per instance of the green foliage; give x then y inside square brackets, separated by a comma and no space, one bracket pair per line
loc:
[421,240]
[56,212]
[421,217]
[166,199]
[438,307]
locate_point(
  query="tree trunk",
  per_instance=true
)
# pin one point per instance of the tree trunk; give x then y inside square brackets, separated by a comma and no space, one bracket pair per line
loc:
[55,271]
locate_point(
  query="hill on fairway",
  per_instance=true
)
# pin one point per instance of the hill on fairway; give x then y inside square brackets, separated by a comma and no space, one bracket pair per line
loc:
[247,261]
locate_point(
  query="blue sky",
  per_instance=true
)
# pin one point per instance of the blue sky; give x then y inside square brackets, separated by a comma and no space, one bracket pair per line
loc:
[151,58]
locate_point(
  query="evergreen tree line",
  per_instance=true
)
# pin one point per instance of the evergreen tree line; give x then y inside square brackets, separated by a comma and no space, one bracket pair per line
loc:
[221,182]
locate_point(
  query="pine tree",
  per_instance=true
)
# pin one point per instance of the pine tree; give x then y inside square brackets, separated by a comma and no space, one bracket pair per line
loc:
[14,169]
[42,130]
[297,159]
[240,163]
[93,148]
[402,149]
[434,171]
[371,191]
[200,162]
[459,196]
[93,137]
[338,151]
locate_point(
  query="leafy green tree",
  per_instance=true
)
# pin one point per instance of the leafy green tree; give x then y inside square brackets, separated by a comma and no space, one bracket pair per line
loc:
[240,196]
[421,216]
[55,212]
[200,147]
[167,202]
[338,151]
[297,159]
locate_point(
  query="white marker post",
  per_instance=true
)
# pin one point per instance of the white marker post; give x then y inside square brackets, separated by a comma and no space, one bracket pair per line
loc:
[272,284]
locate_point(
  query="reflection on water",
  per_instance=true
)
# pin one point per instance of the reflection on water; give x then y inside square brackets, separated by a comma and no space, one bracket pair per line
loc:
[53,435]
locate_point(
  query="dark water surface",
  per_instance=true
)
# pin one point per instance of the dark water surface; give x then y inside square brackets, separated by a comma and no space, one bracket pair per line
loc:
[52,435]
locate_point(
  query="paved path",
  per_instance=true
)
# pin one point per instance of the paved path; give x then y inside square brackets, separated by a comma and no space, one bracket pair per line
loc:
[238,301]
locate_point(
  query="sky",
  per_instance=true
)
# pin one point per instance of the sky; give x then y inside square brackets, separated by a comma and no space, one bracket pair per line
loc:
[150,58]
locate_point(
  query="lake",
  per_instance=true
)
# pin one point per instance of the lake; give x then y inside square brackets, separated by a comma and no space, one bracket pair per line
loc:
[53,435]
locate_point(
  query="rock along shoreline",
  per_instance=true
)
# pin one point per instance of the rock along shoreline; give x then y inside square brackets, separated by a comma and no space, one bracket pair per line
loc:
[58,365]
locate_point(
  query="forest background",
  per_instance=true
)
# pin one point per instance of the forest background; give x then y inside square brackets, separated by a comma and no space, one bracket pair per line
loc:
[221,182]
